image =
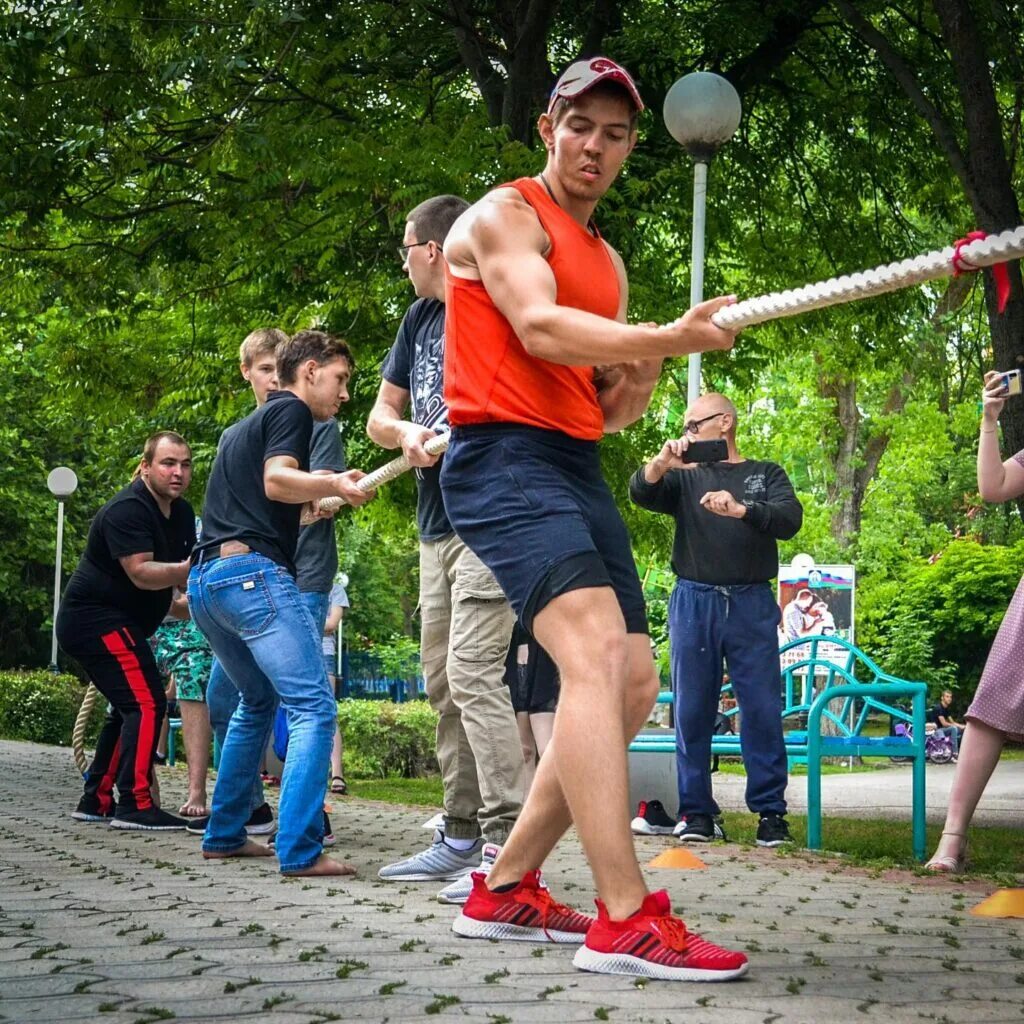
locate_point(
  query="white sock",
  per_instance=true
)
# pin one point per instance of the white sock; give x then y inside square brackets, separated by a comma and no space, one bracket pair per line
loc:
[462,845]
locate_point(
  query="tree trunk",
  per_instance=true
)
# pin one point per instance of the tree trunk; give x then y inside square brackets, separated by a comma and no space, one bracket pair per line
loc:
[993,199]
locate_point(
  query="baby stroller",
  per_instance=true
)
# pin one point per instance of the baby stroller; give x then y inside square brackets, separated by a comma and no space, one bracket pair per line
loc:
[937,749]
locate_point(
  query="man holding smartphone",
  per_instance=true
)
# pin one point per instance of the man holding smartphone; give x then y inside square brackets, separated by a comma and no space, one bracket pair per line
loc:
[729,512]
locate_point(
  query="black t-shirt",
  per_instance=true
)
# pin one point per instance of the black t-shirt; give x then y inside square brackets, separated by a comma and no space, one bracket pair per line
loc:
[237,506]
[100,594]
[720,550]
[938,712]
[416,364]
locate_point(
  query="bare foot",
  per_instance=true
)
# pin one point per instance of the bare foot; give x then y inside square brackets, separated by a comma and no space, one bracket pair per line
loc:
[247,849]
[324,866]
[195,807]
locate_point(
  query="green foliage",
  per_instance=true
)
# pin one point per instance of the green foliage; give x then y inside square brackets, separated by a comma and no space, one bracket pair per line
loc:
[937,622]
[383,739]
[41,707]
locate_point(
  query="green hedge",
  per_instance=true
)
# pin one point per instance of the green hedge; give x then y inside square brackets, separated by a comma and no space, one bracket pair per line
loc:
[39,706]
[383,739]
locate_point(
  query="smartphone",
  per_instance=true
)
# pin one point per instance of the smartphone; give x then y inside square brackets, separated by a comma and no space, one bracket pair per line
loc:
[706,451]
[1011,381]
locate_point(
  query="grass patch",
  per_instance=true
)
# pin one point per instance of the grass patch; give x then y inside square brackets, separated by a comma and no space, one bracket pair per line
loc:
[995,852]
[417,792]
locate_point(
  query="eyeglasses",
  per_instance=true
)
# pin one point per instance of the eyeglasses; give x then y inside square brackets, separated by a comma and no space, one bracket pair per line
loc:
[694,425]
[403,250]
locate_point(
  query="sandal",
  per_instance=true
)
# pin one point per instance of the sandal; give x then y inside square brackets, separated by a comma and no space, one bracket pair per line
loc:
[955,865]
[339,785]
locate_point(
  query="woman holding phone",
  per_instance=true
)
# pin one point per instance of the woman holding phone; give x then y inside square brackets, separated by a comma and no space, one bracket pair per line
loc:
[997,712]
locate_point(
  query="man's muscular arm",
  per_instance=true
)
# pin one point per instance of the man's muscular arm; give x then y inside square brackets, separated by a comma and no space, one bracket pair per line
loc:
[624,389]
[284,481]
[387,427]
[501,243]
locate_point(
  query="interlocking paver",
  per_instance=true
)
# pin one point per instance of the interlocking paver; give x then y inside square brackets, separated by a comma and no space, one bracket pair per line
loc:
[126,927]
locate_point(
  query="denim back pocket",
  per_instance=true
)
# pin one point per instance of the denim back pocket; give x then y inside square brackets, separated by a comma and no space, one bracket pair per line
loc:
[244,604]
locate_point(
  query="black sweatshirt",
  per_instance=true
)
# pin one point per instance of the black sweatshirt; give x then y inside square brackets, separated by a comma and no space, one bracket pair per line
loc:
[720,550]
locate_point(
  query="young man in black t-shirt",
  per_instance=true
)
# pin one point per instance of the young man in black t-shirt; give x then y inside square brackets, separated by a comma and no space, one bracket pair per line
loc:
[729,516]
[243,596]
[136,553]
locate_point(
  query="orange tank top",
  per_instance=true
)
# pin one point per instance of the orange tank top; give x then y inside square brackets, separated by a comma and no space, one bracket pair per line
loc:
[489,377]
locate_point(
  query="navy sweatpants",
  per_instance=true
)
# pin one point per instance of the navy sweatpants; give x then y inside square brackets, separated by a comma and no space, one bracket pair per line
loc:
[737,625]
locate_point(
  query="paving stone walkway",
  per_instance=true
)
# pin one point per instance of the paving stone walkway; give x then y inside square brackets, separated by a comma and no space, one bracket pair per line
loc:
[102,925]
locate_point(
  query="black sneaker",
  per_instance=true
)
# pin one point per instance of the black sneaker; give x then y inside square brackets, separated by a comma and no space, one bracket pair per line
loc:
[699,828]
[651,820]
[153,819]
[773,830]
[89,810]
[261,821]
[197,826]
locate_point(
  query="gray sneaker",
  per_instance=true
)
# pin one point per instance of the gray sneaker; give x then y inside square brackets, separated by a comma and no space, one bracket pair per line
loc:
[458,891]
[439,862]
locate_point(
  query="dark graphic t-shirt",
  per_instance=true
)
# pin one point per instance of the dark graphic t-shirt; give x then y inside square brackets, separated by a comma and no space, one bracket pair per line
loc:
[416,364]
[237,506]
[316,556]
[100,595]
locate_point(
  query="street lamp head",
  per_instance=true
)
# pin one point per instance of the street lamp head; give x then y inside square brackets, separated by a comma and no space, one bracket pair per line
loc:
[62,482]
[702,111]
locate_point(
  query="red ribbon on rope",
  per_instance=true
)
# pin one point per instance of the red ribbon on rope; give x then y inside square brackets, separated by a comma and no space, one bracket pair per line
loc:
[1000,275]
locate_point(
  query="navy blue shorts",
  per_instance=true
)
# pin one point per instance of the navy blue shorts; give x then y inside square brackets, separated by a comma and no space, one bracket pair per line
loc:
[534,508]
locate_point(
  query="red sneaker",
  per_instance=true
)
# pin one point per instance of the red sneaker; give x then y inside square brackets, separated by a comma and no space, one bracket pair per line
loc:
[527,913]
[655,944]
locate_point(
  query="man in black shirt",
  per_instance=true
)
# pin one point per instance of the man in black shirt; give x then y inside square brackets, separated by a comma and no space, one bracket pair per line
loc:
[136,553]
[243,596]
[728,516]
[466,621]
[941,716]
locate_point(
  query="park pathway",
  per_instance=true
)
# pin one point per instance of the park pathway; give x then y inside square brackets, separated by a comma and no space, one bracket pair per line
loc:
[129,928]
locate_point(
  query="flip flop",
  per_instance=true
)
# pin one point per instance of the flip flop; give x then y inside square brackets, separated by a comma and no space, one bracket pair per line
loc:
[339,785]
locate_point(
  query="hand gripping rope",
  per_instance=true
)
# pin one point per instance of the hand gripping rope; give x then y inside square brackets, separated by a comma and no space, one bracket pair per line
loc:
[390,470]
[969,254]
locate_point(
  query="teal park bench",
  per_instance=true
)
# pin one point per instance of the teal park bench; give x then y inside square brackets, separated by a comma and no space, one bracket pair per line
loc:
[829,678]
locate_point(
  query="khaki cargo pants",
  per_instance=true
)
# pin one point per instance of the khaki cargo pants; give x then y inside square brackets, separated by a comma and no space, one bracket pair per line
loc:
[466,631]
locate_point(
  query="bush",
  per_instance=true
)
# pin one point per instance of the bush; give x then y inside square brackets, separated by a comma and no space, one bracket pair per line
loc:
[39,706]
[937,623]
[383,739]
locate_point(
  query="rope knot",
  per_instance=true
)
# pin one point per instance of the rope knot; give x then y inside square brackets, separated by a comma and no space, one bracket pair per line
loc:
[1000,275]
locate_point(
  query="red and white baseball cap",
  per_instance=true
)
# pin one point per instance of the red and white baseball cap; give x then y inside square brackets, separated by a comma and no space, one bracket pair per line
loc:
[577,78]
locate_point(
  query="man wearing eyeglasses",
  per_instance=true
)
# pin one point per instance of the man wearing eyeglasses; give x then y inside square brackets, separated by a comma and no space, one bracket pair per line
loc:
[466,623]
[729,516]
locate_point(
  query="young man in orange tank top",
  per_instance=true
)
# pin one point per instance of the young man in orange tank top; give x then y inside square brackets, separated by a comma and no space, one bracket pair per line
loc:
[536,303]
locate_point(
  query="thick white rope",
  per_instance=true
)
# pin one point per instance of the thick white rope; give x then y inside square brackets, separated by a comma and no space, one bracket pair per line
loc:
[1008,245]
[78,733]
[396,467]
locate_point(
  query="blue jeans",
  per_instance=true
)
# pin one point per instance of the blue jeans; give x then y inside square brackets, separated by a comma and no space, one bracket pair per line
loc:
[222,699]
[709,624]
[267,642]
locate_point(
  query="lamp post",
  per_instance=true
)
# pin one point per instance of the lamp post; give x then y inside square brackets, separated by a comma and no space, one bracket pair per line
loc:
[701,111]
[62,483]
